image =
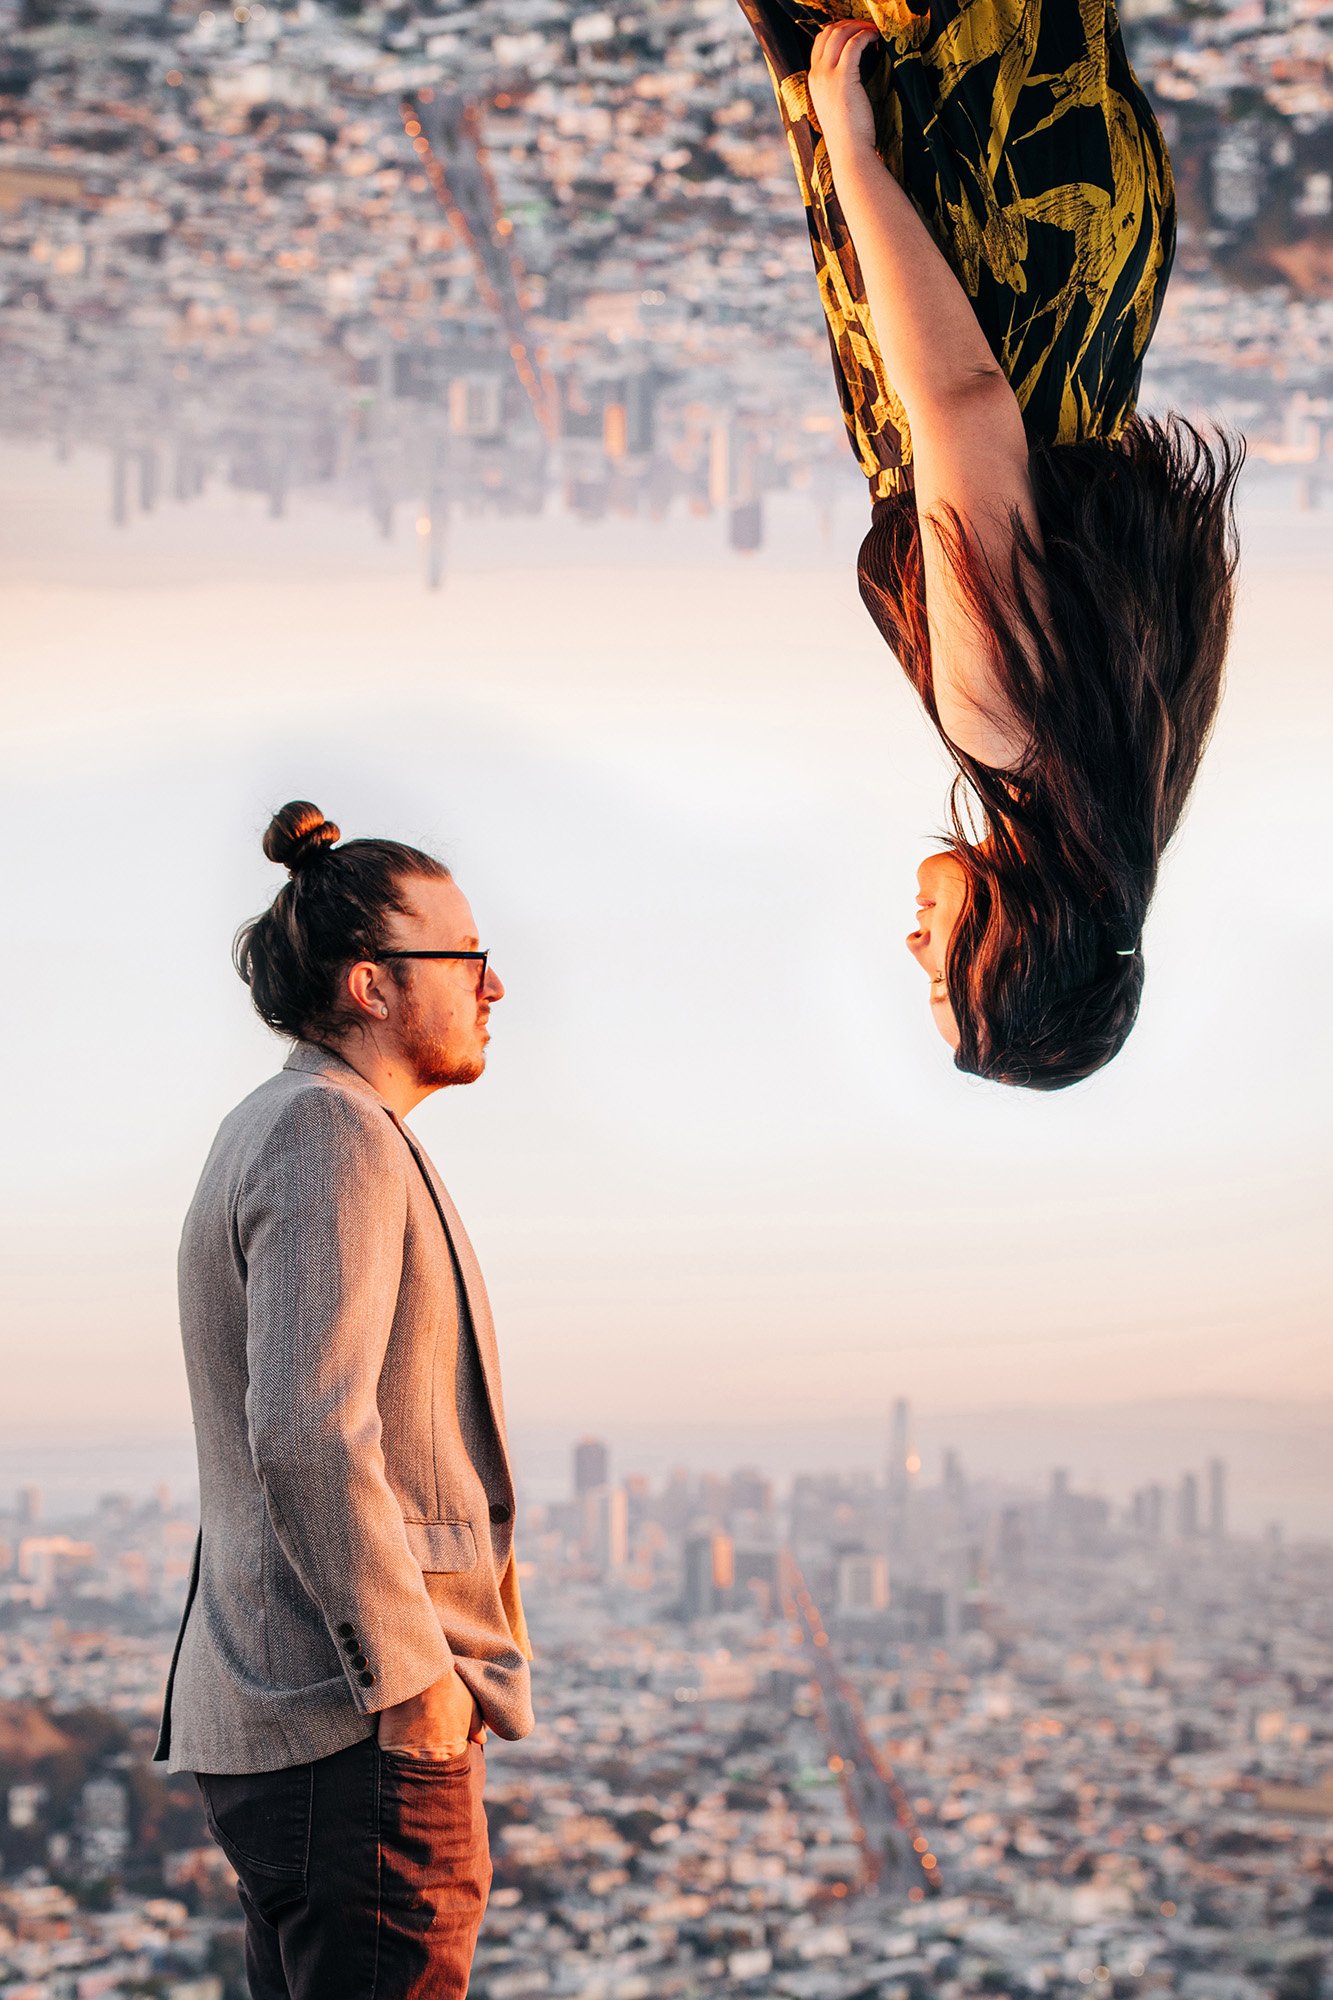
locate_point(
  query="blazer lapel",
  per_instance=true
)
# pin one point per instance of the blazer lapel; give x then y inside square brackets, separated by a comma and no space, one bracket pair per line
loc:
[474,1285]
[314,1057]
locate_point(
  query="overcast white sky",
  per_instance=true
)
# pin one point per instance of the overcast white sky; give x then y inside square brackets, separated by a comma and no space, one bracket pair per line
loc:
[720,1162]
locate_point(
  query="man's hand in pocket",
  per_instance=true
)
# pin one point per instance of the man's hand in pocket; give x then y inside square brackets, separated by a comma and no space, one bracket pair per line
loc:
[439,1722]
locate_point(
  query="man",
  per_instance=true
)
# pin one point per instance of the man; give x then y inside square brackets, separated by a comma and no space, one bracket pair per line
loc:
[353,1623]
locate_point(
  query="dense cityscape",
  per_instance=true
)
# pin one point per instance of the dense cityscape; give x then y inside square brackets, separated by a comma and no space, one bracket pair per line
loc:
[919,1737]
[432,258]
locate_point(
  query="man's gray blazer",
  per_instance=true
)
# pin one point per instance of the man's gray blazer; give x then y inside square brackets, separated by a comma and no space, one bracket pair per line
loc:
[355,1498]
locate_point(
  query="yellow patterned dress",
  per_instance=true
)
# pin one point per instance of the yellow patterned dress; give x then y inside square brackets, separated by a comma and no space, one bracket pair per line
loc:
[1026,143]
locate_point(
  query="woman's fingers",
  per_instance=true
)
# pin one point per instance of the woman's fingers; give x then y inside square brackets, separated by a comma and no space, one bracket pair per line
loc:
[838,48]
[834,40]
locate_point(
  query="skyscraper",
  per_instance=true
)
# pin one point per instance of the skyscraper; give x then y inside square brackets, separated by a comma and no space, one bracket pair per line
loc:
[903,1463]
[610,1529]
[862,1586]
[710,1572]
[592,1466]
[900,1449]
[1217,1499]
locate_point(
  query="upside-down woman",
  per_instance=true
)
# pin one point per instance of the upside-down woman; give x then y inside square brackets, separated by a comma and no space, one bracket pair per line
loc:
[991,209]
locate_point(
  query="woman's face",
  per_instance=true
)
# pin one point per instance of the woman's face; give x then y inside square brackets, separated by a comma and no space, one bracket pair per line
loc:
[941,893]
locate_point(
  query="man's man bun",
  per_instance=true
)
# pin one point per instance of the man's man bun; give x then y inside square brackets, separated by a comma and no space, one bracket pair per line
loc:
[294,958]
[297,833]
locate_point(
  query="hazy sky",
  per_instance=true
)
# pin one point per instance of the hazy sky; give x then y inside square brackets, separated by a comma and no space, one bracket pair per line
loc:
[720,1163]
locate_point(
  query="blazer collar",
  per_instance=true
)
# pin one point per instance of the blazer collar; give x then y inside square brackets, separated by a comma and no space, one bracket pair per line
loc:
[316,1060]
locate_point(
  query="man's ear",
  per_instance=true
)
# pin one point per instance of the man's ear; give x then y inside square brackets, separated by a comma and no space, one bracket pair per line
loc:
[367,989]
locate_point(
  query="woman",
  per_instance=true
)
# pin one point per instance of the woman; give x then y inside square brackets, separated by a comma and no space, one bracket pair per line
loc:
[991,209]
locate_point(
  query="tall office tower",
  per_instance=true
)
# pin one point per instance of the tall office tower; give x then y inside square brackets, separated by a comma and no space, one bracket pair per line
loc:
[29,1509]
[698,1593]
[902,1464]
[953,1478]
[615,430]
[745,528]
[900,1449]
[862,1589]
[719,465]
[1187,1507]
[710,1572]
[641,411]
[610,1528]
[592,1466]
[1217,1499]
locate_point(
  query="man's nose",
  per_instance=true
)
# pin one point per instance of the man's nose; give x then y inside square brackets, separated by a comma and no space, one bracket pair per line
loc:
[493,986]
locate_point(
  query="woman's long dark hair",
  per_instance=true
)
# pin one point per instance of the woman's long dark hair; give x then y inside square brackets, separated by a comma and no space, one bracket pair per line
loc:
[1118,688]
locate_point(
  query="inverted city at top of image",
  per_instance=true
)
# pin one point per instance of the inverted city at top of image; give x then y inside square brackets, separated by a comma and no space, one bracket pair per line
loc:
[491,259]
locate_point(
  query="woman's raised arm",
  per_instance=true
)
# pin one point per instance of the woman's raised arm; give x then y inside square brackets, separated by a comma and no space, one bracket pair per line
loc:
[969,448]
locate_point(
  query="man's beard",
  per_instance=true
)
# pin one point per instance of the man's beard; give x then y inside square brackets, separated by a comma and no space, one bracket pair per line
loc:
[433,1062]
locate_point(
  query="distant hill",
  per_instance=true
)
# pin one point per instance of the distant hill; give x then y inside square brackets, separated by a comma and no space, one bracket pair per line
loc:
[27,1734]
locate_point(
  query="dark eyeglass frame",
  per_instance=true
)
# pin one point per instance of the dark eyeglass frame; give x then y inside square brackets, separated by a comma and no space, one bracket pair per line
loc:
[477,958]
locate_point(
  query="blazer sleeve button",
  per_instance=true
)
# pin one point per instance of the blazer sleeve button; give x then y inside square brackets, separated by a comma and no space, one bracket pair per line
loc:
[366,1679]
[351,1644]
[346,1631]
[500,1513]
[360,1661]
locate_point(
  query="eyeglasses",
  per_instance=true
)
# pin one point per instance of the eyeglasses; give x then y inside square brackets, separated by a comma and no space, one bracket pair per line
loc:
[477,958]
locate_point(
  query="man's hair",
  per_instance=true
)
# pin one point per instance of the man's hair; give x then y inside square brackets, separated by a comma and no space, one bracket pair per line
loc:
[331,913]
[1118,691]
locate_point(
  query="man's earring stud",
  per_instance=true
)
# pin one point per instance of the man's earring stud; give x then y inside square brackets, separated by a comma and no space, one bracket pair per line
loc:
[384,1013]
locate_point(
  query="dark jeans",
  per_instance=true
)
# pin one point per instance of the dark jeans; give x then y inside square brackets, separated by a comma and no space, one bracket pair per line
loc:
[363,1876]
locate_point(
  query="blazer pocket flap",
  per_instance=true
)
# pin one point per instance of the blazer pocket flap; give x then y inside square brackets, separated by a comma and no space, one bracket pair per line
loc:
[442,1545]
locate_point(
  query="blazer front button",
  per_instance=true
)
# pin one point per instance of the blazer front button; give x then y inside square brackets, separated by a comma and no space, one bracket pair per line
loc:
[500,1513]
[366,1680]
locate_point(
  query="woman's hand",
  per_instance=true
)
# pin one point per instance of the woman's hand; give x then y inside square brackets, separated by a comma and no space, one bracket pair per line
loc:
[836,91]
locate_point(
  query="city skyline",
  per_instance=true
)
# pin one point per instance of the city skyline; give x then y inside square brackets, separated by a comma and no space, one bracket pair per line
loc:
[830,1745]
[678,1156]
[413,264]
